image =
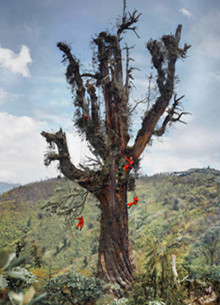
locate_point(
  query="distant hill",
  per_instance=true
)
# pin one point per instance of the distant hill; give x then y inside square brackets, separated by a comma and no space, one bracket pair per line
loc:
[174,210]
[4,187]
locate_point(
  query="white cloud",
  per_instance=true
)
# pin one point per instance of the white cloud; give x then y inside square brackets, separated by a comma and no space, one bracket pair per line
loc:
[7,175]
[16,63]
[53,79]
[54,120]
[186,13]
[188,147]
[58,119]
[210,48]
[3,94]
[22,149]
[202,69]
[205,36]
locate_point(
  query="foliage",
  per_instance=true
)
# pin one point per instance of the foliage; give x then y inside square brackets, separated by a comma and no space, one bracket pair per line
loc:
[209,245]
[156,284]
[15,281]
[36,253]
[73,288]
[122,301]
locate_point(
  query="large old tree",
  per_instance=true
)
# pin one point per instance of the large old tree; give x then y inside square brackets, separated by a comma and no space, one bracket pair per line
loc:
[105,122]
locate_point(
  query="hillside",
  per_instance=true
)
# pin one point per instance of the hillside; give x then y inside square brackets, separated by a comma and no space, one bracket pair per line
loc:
[175,211]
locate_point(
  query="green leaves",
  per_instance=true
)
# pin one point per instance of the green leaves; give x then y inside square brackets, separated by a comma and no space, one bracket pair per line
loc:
[15,274]
[16,262]
[3,282]
[7,263]
[12,273]
[79,288]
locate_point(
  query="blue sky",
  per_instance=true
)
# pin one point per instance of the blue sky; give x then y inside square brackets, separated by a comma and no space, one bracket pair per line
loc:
[34,95]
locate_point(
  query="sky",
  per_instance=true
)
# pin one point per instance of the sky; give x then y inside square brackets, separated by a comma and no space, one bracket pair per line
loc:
[34,95]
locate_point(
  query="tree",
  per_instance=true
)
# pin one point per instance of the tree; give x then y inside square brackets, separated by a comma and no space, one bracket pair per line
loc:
[106,126]
[209,246]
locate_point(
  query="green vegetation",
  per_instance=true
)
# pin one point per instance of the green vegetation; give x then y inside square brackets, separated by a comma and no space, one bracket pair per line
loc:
[177,214]
[15,281]
[73,288]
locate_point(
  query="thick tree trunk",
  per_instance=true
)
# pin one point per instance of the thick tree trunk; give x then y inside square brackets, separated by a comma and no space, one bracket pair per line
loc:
[115,263]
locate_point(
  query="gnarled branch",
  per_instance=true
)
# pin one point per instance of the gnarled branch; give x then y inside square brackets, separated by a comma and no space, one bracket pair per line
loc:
[63,156]
[87,179]
[74,78]
[170,118]
[128,21]
[90,124]
[163,52]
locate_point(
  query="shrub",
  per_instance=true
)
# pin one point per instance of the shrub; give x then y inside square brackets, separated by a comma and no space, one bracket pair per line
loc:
[73,288]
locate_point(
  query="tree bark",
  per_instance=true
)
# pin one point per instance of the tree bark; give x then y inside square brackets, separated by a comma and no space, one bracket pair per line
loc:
[115,262]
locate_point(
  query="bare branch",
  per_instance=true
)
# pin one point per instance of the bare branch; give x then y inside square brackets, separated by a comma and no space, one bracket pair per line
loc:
[69,206]
[179,116]
[148,97]
[128,70]
[170,117]
[176,279]
[178,33]
[128,21]
[96,161]
[124,10]
[90,75]
[143,101]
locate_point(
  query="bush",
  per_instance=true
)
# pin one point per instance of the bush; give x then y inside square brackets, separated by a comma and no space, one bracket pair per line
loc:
[80,289]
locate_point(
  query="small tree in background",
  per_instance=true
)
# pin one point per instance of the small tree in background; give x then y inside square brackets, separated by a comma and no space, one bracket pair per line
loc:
[209,246]
[105,122]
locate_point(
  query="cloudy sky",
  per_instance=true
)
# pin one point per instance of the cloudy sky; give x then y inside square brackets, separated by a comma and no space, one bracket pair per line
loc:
[34,95]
